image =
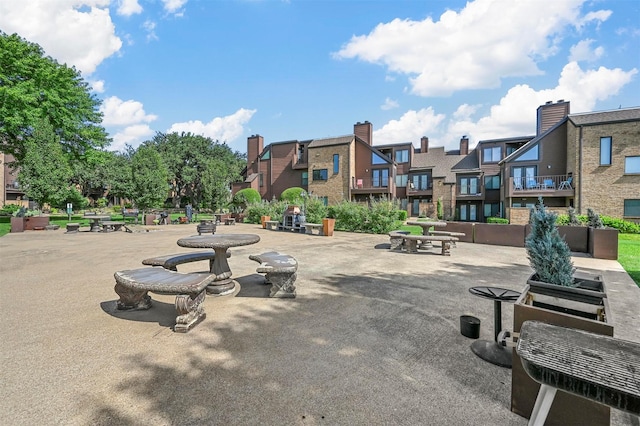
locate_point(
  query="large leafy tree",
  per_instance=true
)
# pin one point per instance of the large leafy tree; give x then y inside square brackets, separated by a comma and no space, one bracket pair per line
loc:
[44,171]
[200,169]
[34,86]
[149,177]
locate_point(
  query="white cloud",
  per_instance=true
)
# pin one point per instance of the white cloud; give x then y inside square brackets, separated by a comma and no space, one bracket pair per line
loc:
[514,115]
[150,27]
[124,113]
[582,51]
[389,104]
[75,32]
[474,48]
[129,7]
[97,86]
[131,135]
[224,129]
[410,127]
[174,6]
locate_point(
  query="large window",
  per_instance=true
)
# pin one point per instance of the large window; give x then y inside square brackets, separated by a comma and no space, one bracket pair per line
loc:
[401,180]
[305,179]
[336,163]
[266,155]
[631,208]
[402,156]
[492,182]
[605,151]
[320,174]
[469,186]
[420,182]
[380,177]
[301,154]
[468,212]
[530,155]
[632,164]
[491,155]
[525,177]
[261,179]
[492,210]
[376,159]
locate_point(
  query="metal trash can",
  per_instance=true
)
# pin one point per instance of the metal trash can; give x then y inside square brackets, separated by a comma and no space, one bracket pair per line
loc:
[470,326]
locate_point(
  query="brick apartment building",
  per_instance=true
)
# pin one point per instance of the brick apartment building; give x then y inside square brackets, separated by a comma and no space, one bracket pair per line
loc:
[580,160]
[586,160]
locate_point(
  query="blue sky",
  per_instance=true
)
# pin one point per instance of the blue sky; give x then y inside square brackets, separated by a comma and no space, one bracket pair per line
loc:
[311,69]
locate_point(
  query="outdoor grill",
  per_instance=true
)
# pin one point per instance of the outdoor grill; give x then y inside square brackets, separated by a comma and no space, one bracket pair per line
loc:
[291,218]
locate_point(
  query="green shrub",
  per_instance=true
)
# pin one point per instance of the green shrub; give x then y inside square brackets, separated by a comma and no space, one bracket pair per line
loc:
[9,209]
[594,220]
[621,225]
[497,220]
[402,215]
[315,210]
[245,197]
[549,255]
[440,208]
[378,218]
[293,195]
[274,209]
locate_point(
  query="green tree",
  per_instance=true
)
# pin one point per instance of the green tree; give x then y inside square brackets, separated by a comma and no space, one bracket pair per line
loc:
[149,177]
[549,255]
[33,87]
[293,195]
[44,172]
[200,169]
[245,197]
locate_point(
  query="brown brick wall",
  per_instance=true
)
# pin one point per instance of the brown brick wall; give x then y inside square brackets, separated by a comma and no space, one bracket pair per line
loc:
[336,187]
[604,188]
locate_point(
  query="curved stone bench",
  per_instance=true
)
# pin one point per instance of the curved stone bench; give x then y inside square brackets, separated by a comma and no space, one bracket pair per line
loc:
[133,286]
[171,261]
[280,270]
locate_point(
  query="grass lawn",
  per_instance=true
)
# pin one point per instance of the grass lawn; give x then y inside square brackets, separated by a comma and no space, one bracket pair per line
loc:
[629,255]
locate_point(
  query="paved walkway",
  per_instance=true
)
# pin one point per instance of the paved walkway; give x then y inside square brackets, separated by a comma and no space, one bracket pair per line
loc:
[372,338]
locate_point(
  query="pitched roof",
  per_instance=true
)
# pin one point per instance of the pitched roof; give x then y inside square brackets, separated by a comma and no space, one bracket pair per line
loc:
[439,161]
[468,162]
[533,141]
[626,114]
[339,140]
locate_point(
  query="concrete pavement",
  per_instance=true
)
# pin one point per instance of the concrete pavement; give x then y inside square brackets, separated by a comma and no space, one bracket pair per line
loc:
[372,338]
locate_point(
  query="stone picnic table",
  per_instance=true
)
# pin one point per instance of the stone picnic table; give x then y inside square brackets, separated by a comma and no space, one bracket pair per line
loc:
[220,243]
[95,222]
[426,226]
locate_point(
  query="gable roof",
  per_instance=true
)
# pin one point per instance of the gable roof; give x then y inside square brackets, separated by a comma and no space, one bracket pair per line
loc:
[439,161]
[339,140]
[532,142]
[589,118]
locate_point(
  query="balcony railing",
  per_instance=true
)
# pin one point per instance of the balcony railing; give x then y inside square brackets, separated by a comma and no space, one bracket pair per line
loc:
[554,185]
[419,189]
[371,184]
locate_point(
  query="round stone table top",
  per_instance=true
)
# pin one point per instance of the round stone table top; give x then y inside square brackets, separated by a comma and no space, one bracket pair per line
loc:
[218,240]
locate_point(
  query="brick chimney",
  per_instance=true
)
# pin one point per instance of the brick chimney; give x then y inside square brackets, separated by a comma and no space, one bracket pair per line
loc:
[424,144]
[464,145]
[364,131]
[255,145]
[550,114]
